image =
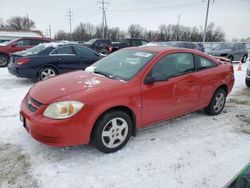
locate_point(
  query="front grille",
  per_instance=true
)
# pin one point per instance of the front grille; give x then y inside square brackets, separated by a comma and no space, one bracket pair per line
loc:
[32,104]
[38,104]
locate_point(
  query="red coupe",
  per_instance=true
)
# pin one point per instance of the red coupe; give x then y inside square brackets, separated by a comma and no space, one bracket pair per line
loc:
[129,89]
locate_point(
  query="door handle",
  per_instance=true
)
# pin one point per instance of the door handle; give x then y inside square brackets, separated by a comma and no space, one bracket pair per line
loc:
[58,58]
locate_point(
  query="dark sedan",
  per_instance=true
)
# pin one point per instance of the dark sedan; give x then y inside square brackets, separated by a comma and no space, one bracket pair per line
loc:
[47,60]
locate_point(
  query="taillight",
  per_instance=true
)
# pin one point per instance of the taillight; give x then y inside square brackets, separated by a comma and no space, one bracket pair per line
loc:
[22,61]
[110,48]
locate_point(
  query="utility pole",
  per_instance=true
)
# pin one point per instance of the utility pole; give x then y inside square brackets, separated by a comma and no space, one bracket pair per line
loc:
[28,22]
[205,27]
[70,18]
[179,17]
[178,27]
[49,31]
[104,19]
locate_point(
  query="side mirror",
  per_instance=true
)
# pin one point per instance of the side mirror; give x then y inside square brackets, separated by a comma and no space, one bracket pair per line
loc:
[155,78]
[13,45]
[149,80]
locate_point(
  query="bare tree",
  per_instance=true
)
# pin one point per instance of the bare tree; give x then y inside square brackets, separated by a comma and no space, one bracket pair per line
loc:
[62,35]
[20,23]
[84,32]
[135,30]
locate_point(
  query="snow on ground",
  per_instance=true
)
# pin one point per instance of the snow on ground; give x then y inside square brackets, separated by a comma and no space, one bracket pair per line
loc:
[195,150]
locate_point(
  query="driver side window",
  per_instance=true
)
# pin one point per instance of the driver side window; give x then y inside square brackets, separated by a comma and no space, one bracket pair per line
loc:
[23,43]
[173,65]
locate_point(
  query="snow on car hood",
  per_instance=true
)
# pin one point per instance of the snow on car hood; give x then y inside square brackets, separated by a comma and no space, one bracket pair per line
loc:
[68,87]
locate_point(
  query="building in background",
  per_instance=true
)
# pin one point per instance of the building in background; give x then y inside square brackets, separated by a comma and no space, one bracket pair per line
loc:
[8,34]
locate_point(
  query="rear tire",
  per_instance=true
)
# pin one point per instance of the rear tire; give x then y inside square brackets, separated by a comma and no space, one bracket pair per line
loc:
[244,59]
[231,58]
[217,102]
[46,73]
[112,131]
[247,83]
[4,60]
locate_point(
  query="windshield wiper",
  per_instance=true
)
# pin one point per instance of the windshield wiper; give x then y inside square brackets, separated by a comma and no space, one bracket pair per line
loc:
[111,76]
[103,73]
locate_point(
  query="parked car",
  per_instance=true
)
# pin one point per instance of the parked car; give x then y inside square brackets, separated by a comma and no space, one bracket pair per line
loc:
[47,60]
[186,44]
[4,40]
[248,76]
[16,45]
[100,45]
[232,51]
[128,42]
[129,89]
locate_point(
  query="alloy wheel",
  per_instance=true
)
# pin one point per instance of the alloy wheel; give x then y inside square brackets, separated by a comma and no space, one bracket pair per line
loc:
[114,132]
[3,61]
[219,102]
[47,73]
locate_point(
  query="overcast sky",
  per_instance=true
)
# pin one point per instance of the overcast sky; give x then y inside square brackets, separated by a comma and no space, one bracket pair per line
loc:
[232,15]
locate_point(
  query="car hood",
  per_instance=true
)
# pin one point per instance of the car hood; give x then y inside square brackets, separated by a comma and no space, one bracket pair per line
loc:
[219,51]
[68,87]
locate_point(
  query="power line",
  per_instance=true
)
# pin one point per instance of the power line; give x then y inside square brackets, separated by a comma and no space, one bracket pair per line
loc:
[70,18]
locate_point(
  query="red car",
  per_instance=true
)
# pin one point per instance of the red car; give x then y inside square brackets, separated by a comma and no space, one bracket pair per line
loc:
[6,48]
[129,89]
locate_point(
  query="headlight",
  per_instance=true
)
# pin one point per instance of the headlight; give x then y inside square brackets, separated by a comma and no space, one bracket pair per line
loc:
[63,109]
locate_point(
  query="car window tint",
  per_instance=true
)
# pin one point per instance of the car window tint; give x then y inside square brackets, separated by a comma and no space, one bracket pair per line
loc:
[135,43]
[24,42]
[84,52]
[173,65]
[181,45]
[66,50]
[203,63]
[35,42]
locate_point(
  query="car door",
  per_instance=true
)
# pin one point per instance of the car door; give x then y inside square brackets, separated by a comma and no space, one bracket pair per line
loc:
[175,91]
[20,45]
[237,52]
[85,56]
[65,59]
[209,76]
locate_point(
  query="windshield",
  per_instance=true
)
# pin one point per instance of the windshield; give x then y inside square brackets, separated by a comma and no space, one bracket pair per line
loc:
[224,46]
[122,65]
[6,43]
[90,41]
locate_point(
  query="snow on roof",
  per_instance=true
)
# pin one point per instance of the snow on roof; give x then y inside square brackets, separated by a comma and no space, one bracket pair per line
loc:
[5,33]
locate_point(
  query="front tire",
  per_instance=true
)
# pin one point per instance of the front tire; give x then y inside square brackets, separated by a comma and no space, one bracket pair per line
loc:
[231,58]
[217,102]
[112,131]
[247,82]
[4,60]
[46,73]
[244,59]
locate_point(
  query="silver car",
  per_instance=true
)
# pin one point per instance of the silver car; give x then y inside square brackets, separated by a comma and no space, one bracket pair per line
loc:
[248,76]
[235,52]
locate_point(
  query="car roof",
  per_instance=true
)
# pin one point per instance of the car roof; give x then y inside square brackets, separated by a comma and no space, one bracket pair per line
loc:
[161,49]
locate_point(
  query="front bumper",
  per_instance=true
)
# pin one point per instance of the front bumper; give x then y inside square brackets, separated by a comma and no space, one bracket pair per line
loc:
[58,133]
